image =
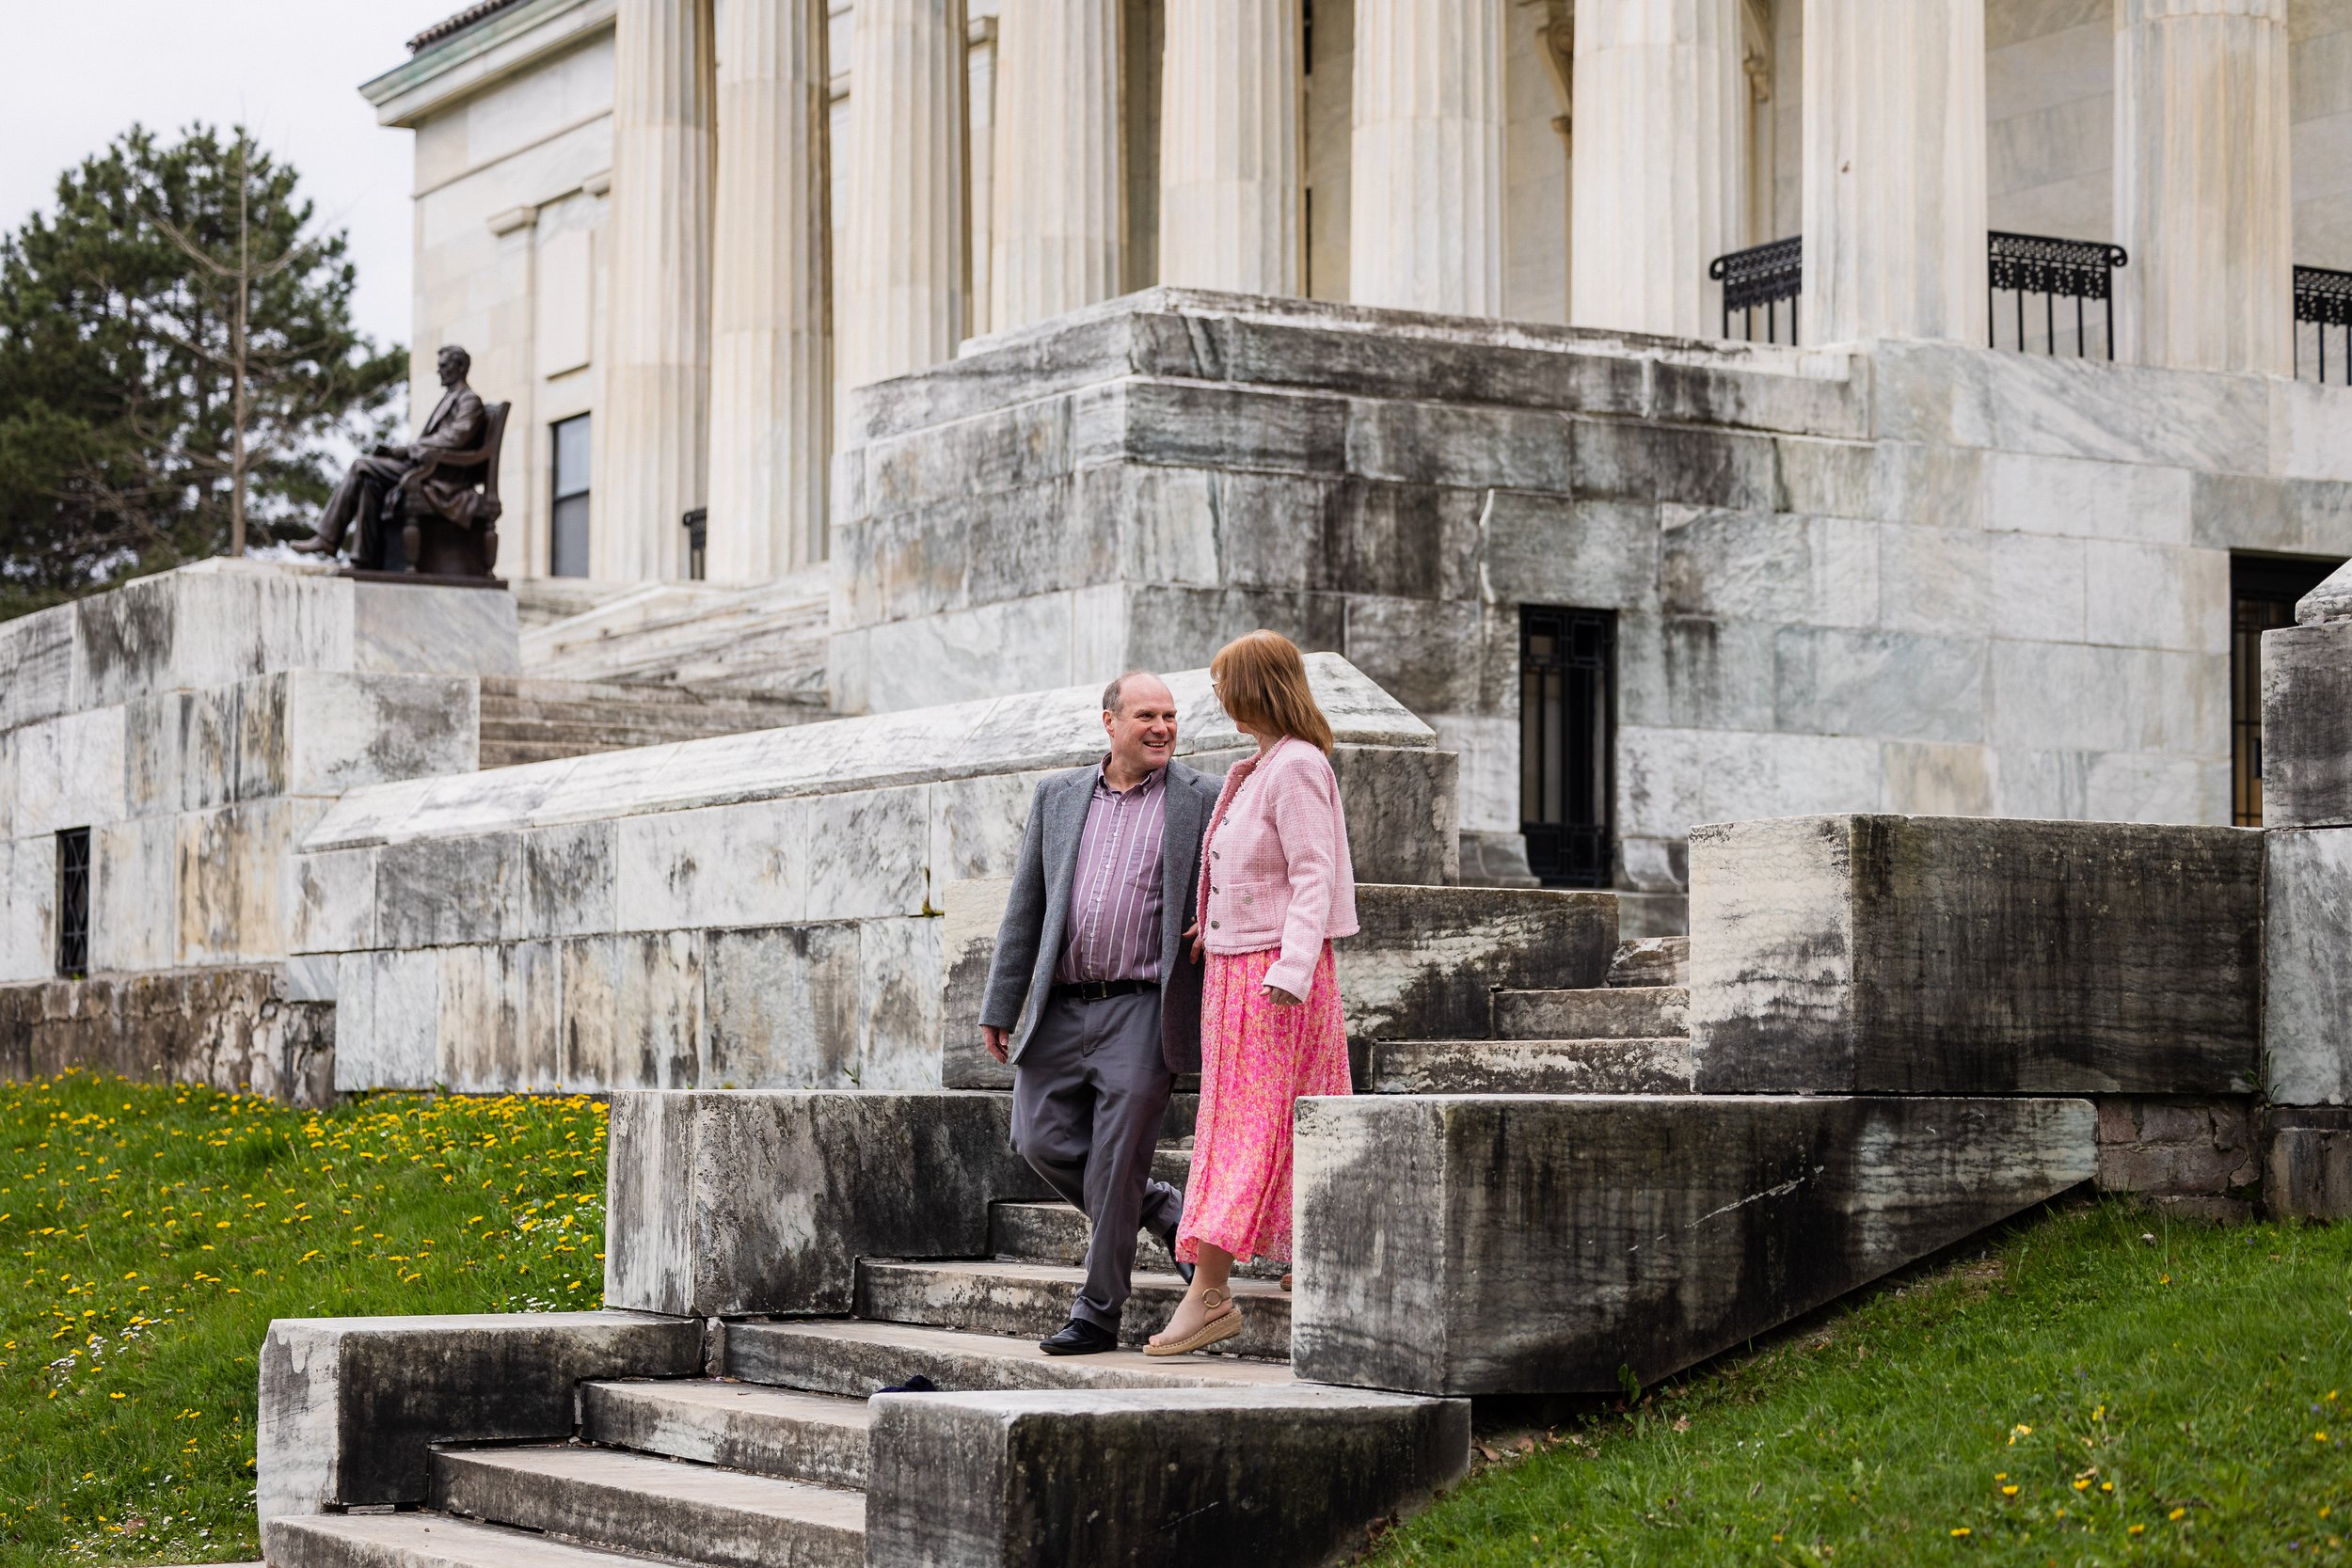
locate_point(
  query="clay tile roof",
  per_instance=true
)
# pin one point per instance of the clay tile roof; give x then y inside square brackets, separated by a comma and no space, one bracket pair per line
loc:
[458,23]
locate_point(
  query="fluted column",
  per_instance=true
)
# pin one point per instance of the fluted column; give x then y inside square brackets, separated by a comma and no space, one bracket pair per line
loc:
[1894,170]
[1060,220]
[771,329]
[904,301]
[1660,96]
[1230,187]
[1425,165]
[2203,198]
[652,429]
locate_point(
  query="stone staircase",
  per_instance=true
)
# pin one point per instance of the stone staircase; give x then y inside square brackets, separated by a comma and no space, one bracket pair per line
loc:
[528,719]
[769,639]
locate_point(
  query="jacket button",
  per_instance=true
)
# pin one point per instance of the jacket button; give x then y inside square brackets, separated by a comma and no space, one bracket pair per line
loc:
[1212,925]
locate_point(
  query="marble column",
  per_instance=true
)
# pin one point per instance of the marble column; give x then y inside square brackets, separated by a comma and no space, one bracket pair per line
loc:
[1894,206]
[1056,235]
[1661,122]
[2202,199]
[1425,163]
[1230,193]
[904,304]
[770,324]
[652,428]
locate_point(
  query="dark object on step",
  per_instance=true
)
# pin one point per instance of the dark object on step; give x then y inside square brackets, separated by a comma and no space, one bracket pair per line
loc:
[918,1384]
[1079,1337]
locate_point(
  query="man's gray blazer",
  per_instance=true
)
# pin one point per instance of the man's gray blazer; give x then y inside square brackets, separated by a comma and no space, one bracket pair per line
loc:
[1028,943]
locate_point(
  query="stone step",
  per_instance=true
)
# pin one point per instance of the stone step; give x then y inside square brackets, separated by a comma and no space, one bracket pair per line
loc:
[1531,1067]
[1651,962]
[1599,1013]
[1171,1162]
[1058,1233]
[1033,1300]
[661,1507]
[420,1540]
[743,1426]
[854,1357]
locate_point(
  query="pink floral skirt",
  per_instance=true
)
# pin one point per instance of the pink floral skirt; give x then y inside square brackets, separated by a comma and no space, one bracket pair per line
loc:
[1256,1058]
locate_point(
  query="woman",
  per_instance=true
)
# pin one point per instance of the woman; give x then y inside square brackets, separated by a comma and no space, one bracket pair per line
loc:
[1278,885]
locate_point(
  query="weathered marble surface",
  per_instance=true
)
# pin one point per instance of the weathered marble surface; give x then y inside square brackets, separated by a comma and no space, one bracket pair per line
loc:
[1197,1473]
[351,1406]
[2330,601]
[231,1027]
[1963,955]
[1558,1244]
[746,1203]
[2307,725]
[2307,1169]
[2307,966]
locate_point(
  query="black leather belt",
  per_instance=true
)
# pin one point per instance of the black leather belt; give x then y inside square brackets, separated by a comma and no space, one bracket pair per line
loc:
[1095,991]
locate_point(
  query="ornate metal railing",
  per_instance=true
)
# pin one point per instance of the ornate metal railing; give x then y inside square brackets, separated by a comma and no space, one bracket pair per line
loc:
[1761,278]
[2323,298]
[2080,270]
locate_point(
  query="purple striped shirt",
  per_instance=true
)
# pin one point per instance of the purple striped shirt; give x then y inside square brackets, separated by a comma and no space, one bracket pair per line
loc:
[1114,931]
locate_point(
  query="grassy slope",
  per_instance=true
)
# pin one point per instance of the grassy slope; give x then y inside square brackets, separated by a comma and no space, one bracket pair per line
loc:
[2078,1395]
[148,1235]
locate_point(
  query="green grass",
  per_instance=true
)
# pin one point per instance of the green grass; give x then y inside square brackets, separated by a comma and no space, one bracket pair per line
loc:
[149,1234]
[2076,1395]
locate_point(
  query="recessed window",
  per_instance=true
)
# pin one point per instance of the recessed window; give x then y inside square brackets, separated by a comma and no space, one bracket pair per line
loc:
[568,554]
[1567,718]
[73,903]
[2263,592]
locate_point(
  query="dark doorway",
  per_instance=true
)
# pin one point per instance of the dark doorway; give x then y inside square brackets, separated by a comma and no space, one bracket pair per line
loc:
[2263,590]
[73,903]
[1567,733]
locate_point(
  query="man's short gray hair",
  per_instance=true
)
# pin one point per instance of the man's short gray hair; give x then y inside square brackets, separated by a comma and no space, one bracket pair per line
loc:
[1112,693]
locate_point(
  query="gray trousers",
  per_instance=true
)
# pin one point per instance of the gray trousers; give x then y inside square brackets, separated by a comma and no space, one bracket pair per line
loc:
[1088,1093]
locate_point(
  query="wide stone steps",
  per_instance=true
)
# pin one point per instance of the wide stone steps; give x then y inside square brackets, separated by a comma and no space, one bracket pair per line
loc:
[743,1426]
[1058,1233]
[1032,1300]
[420,1540]
[1531,1067]
[661,1507]
[1600,1013]
[855,1358]
[532,719]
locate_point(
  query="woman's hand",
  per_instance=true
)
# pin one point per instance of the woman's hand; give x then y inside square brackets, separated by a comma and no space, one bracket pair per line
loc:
[1194,932]
[1280,997]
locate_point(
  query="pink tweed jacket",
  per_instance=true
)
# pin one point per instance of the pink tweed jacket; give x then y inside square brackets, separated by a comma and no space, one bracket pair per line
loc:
[1277,872]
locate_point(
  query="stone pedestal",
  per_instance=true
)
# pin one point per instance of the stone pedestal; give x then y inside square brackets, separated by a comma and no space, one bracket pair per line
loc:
[1661,98]
[770,328]
[904,302]
[1055,236]
[1229,191]
[2202,197]
[1894,170]
[653,423]
[1426,172]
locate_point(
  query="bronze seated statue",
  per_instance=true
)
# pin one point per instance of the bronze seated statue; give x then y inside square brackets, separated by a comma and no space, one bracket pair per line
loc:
[439,496]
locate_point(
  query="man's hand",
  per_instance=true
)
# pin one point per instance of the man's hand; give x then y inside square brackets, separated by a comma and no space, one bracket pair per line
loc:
[1280,997]
[1194,932]
[996,1040]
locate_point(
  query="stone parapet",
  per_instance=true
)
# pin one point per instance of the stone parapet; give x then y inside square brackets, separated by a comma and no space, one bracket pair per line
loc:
[1565,1245]
[2307,725]
[2307,961]
[231,1027]
[1890,955]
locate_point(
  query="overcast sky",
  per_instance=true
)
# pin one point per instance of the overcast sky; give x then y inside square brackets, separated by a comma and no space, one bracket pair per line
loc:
[290,69]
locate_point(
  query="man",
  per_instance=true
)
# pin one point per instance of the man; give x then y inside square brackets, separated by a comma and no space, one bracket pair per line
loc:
[1094,996]
[455,424]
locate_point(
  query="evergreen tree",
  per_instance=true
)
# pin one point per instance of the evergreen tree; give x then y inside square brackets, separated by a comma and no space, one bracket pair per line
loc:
[123,353]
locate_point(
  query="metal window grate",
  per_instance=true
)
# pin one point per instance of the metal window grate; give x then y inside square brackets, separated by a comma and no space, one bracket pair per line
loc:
[2323,299]
[2263,590]
[73,902]
[2080,270]
[1567,725]
[1761,277]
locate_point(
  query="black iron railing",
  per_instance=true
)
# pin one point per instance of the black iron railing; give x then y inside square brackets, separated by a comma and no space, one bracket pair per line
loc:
[73,902]
[697,543]
[2080,270]
[1761,278]
[2323,298]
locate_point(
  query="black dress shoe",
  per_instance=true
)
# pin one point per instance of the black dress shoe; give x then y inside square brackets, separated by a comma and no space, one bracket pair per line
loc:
[1168,1240]
[313,545]
[1080,1338]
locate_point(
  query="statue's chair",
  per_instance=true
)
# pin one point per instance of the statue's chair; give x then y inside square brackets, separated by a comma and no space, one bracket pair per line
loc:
[460,541]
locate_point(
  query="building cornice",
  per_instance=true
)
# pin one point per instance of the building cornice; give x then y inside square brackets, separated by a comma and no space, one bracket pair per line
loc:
[483,53]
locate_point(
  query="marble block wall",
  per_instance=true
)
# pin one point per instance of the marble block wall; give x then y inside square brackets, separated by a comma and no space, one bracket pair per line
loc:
[1906,578]
[196,722]
[2306,887]
[757,910]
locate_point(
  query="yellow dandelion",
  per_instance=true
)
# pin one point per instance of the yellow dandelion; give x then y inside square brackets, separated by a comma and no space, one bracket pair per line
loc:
[1960,1531]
